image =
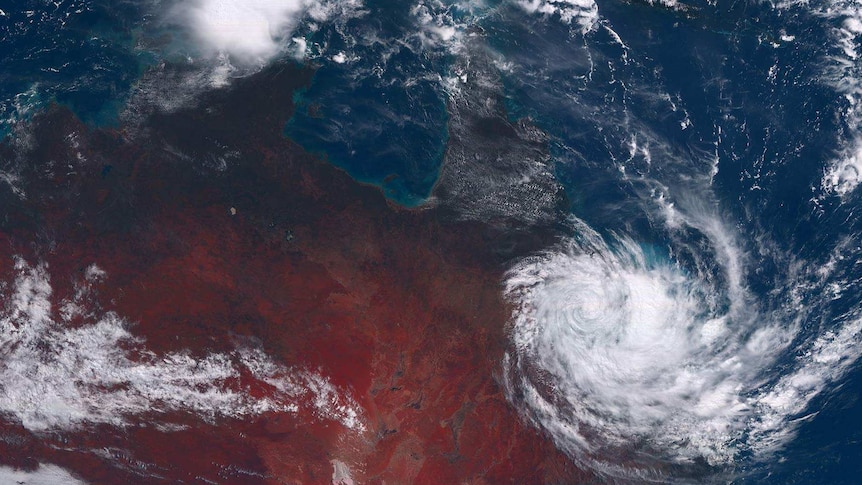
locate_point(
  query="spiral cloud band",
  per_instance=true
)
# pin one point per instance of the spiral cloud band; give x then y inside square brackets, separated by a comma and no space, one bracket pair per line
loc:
[619,353]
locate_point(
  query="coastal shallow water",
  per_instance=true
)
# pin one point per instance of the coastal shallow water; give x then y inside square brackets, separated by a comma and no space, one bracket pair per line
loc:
[619,238]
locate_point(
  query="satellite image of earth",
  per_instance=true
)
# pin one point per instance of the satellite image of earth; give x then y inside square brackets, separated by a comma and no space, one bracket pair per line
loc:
[430,241]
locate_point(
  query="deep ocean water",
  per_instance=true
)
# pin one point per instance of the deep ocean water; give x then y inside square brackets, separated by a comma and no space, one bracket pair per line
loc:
[368,241]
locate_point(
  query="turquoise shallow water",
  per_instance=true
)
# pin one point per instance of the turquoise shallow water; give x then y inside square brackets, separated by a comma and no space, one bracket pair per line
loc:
[360,126]
[77,53]
[381,114]
[87,55]
[670,126]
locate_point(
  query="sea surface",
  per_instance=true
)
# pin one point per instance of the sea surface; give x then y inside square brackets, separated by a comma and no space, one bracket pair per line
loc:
[700,317]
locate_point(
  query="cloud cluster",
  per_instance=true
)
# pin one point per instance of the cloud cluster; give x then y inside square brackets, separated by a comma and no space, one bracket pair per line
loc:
[619,351]
[54,376]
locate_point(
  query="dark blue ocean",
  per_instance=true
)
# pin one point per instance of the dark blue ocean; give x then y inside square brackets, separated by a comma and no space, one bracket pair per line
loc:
[709,153]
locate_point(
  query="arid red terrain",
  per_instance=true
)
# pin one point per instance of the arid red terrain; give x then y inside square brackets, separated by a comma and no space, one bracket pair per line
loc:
[210,234]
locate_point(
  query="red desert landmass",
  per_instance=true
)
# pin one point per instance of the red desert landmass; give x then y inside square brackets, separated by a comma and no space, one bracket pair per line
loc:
[402,308]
